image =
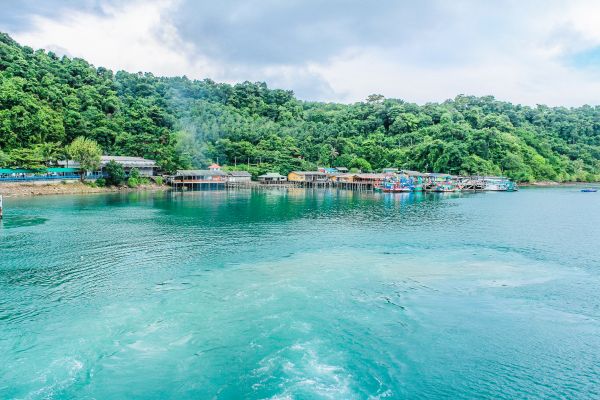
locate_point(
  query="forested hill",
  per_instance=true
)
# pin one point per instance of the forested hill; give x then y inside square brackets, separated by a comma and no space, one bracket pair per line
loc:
[46,101]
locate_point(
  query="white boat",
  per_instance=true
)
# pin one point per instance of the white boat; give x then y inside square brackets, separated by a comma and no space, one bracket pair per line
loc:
[495,187]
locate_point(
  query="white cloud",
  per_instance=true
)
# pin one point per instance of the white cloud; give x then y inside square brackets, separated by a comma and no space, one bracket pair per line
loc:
[514,52]
[536,81]
[134,37]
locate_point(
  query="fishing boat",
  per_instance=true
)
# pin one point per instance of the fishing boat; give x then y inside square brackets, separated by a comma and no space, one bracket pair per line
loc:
[396,189]
[511,186]
[499,184]
[589,190]
[394,185]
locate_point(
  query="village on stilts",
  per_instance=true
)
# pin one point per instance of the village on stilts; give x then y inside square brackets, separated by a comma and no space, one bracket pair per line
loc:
[390,180]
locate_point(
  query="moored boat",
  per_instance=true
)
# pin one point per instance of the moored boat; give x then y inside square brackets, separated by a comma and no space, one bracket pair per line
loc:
[589,190]
[396,189]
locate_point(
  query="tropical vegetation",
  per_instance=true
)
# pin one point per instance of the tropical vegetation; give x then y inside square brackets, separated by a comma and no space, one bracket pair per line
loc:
[47,101]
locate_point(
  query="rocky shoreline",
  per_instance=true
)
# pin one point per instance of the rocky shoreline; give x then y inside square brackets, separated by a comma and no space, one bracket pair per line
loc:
[13,189]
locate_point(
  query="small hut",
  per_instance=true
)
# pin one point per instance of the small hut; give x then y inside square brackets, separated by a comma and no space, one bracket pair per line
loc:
[239,176]
[272,178]
[307,176]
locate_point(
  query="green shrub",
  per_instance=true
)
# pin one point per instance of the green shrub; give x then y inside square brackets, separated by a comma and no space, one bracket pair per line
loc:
[159,180]
[134,173]
[115,173]
[144,181]
[133,182]
[100,182]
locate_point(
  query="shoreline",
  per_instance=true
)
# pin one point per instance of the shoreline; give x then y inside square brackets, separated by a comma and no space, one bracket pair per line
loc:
[17,189]
[556,184]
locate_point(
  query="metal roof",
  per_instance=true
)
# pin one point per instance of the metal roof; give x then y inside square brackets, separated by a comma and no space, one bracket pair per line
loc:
[199,172]
[272,175]
[123,160]
[35,171]
[372,176]
[413,173]
[308,173]
[239,173]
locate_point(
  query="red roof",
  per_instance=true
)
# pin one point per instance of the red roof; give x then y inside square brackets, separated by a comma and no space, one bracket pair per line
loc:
[214,166]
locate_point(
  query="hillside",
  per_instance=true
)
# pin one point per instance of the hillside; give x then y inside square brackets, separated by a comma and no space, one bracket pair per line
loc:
[46,101]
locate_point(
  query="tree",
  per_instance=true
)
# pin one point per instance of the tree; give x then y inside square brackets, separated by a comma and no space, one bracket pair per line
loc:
[115,174]
[27,158]
[361,164]
[183,124]
[87,153]
[4,159]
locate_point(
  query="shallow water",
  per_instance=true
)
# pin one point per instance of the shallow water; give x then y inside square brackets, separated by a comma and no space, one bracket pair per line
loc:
[301,295]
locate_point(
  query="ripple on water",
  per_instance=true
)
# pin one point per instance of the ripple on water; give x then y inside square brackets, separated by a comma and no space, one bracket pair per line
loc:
[301,294]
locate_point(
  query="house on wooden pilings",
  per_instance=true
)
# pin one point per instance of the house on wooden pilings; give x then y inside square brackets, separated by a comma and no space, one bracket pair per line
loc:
[198,179]
[308,177]
[272,178]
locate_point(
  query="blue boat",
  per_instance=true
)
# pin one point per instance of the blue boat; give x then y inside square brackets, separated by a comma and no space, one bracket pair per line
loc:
[589,190]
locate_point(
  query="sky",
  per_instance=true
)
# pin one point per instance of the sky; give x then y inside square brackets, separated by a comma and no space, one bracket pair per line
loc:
[528,51]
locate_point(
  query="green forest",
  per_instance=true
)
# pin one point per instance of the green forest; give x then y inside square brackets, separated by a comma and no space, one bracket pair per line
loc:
[47,101]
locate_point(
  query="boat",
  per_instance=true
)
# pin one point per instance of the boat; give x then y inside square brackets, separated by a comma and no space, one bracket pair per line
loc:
[493,187]
[396,189]
[499,184]
[394,185]
[589,190]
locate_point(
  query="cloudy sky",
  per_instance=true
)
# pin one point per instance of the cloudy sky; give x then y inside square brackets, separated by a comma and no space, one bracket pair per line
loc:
[523,51]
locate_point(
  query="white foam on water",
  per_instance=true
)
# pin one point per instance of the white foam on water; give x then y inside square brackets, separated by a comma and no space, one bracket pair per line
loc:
[59,375]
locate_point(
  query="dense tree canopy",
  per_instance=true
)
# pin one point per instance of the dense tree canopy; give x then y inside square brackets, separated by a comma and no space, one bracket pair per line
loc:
[47,101]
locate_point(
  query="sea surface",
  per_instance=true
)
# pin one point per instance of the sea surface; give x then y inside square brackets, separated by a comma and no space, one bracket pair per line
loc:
[301,294]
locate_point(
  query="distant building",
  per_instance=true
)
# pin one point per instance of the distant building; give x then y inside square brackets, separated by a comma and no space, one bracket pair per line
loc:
[239,176]
[373,179]
[390,170]
[214,167]
[343,170]
[48,174]
[327,170]
[342,178]
[145,166]
[414,173]
[307,176]
[272,178]
[200,175]
[439,177]
[198,179]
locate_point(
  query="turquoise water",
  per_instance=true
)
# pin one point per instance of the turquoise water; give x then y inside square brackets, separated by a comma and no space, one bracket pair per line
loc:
[301,295]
